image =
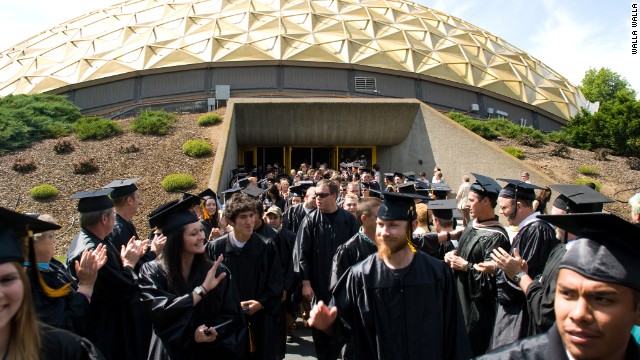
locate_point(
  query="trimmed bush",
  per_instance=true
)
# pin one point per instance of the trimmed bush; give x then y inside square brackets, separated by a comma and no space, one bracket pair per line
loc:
[588,170]
[129,148]
[209,119]
[28,118]
[175,182]
[197,148]
[23,165]
[43,192]
[63,146]
[86,165]
[585,181]
[97,128]
[633,163]
[560,150]
[514,151]
[152,122]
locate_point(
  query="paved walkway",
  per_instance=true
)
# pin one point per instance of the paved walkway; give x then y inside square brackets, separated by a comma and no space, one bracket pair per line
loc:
[302,347]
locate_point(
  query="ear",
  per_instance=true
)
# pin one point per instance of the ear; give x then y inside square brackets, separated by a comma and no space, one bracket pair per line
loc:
[414,225]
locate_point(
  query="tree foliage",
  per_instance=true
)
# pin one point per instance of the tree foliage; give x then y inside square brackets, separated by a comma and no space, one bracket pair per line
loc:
[616,124]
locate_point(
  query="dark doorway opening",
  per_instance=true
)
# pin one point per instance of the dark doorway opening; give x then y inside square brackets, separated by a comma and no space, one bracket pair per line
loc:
[313,157]
[270,156]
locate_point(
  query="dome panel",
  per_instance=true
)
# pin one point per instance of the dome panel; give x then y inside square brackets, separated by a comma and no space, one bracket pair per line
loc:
[387,34]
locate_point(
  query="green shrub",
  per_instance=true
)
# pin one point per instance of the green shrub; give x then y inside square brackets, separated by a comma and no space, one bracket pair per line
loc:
[588,170]
[23,165]
[559,137]
[28,118]
[175,182]
[209,119]
[153,122]
[585,181]
[514,151]
[96,128]
[43,192]
[86,165]
[197,148]
[63,146]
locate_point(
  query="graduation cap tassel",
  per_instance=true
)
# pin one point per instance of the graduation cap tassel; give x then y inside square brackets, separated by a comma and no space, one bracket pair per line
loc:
[252,344]
[46,289]
[205,213]
[410,239]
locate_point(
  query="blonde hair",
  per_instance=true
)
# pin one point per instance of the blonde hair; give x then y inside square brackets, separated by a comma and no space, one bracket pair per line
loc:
[24,336]
[423,214]
[635,204]
[47,218]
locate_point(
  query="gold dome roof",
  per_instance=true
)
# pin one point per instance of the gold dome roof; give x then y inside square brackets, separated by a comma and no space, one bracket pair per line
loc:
[399,35]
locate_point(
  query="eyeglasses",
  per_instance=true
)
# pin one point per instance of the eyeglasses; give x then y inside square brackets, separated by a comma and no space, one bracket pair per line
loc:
[322,195]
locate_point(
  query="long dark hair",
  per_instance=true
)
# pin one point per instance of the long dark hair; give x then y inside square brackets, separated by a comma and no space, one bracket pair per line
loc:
[212,219]
[171,262]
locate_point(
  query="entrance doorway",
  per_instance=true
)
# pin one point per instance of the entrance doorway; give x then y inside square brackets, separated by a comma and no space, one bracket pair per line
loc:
[312,156]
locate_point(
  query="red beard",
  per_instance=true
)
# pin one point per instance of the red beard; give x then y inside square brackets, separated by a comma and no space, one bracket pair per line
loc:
[390,245]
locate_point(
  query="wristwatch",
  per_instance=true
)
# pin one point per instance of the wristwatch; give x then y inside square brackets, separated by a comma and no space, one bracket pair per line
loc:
[200,291]
[519,277]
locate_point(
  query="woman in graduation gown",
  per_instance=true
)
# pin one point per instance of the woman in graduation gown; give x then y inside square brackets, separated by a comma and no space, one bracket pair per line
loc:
[195,308]
[21,335]
[68,307]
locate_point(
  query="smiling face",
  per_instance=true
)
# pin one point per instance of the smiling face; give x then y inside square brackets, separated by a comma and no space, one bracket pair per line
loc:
[350,205]
[193,238]
[11,293]
[391,236]
[594,318]
[211,206]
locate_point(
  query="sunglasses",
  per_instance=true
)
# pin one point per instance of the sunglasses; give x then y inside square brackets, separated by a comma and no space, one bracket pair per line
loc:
[322,195]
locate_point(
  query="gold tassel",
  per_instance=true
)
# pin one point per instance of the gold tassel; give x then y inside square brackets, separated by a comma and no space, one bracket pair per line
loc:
[252,344]
[64,290]
[410,239]
[205,213]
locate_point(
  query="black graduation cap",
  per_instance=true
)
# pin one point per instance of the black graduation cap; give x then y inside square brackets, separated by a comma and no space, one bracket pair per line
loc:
[239,169]
[397,206]
[207,194]
[244,182]
[443,209]
[242,175]
[371,185]
[607,250]
[229,193]
[122,187]
[578,198]
[485,186]
[174,216]
[518,189]
[252,191]
[422,185]
[14,226]
[153,221]
[93,200]
[389,176]
[365,170]
[440,190]
[410,175]
[407,188]
[398,174]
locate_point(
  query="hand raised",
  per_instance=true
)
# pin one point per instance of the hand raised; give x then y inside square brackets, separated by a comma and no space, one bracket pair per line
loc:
[211,280]
[157,243]
[321,317]
[87,268]
[131,253]
[100,254]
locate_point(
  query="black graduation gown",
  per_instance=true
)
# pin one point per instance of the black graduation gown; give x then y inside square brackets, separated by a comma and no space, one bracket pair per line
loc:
[316,243]
[534,242]
[118,324]
[477,291]
[429,244]
[541,293]
[122,231]
[68,312]
[257,275]
[293,217]
[284,254]
[175,319]
[546,346]
[353,251]
[413,316]
[58,344]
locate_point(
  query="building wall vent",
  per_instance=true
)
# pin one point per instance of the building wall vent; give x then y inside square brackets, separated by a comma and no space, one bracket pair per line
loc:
[366,84]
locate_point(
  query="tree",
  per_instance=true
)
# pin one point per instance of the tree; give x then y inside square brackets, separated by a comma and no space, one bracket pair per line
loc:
[603,85]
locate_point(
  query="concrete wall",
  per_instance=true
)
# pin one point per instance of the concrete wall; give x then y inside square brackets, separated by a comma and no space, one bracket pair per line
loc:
[430,137]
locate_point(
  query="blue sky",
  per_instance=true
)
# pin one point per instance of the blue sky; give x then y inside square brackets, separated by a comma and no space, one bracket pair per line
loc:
[570,36]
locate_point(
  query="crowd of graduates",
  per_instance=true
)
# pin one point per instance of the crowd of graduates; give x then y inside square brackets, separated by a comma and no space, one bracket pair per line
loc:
[375,263]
